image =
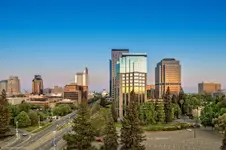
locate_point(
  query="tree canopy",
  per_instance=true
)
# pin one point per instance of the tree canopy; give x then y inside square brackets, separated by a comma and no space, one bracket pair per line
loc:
[4,114]
[131,133]
[83,133]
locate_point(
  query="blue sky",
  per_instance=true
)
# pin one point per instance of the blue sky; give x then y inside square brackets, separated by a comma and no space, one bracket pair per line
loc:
[59,38]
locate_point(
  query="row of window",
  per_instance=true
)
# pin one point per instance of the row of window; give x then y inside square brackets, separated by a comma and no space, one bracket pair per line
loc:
[135,81]
[135,74]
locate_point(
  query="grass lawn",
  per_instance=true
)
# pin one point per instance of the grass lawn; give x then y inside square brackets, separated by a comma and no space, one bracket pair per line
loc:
[36,129]
[63,126]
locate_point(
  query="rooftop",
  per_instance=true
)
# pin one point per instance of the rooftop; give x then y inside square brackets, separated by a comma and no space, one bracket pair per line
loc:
[120,50]
[134,54]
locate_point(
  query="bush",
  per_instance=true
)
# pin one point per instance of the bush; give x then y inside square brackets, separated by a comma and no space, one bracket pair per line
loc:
[168,127]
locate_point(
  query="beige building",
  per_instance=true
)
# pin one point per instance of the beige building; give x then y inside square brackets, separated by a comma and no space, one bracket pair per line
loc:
[13,86]
[37,85]
[115,55]
[208,87]
[167,74]
[131,75]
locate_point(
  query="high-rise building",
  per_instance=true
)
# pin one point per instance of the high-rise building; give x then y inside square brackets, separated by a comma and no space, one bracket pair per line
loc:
[82,81]
[3,85]
[208,87]
[167,74]
[13,85]
[115,55]
[81,78]
[131,75]
[37,85]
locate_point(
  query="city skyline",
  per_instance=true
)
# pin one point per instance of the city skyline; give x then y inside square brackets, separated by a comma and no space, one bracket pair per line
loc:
[73,36]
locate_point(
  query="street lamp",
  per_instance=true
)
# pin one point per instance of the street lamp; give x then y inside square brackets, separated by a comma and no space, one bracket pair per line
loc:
[54,140]
[17,129]
[39,122]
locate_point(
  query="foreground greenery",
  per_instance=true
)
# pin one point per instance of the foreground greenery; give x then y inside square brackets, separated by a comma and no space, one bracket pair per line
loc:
[4,114]
[167,127]
[131,133]
[214,115]
[83,133]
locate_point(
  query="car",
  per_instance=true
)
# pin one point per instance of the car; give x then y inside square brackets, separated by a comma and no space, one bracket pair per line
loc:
[24,134]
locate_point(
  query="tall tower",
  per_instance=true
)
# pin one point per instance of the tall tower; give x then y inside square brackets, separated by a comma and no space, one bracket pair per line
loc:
[167,74]
[13,85]
[131,75]
[37,85]
[115,55]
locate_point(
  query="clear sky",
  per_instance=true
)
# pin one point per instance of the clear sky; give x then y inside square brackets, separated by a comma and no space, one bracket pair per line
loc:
[58,38]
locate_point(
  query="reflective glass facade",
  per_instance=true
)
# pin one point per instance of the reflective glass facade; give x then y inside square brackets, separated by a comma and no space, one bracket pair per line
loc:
[131,75]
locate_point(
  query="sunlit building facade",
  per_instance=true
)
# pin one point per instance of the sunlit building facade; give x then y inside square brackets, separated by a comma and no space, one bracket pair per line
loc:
[167,74]
[131,75]
[208,87]
[37,85]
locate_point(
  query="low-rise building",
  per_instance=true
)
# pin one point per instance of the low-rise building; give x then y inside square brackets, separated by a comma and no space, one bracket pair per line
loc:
[220,93]
[72,92]
[208,87]
[16,100]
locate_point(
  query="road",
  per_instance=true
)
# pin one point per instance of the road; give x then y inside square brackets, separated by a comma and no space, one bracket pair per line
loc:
[23,142]
[50,143]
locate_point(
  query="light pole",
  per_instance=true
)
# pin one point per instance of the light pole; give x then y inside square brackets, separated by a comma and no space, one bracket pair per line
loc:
[39,122]
[54,140]
[17,129]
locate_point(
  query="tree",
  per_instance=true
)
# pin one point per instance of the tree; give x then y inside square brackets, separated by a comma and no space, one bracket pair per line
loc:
[113,111]
[174,99]
[167,105]
[102,102]
[24,107]
[3,98]
[83,133]
[220,124]
[33,117]
[111,136]
[23,119]
[148,114]
[181,100]
[160,112]
[4,114]
[131,132]
[61,110]
[14,111]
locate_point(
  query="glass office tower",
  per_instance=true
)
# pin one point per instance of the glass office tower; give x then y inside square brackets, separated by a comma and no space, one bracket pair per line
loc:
[131,75]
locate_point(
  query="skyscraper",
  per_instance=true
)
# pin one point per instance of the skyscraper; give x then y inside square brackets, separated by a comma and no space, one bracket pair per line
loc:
[131,75]
[13,85]
[115,55]
[37,85]
[167,74]
[82,81]
[3,85]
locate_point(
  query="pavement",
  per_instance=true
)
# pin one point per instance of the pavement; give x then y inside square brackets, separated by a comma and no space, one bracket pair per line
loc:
[183,140]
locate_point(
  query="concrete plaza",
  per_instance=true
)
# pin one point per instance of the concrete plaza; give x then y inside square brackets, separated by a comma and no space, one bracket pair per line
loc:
[183,140]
